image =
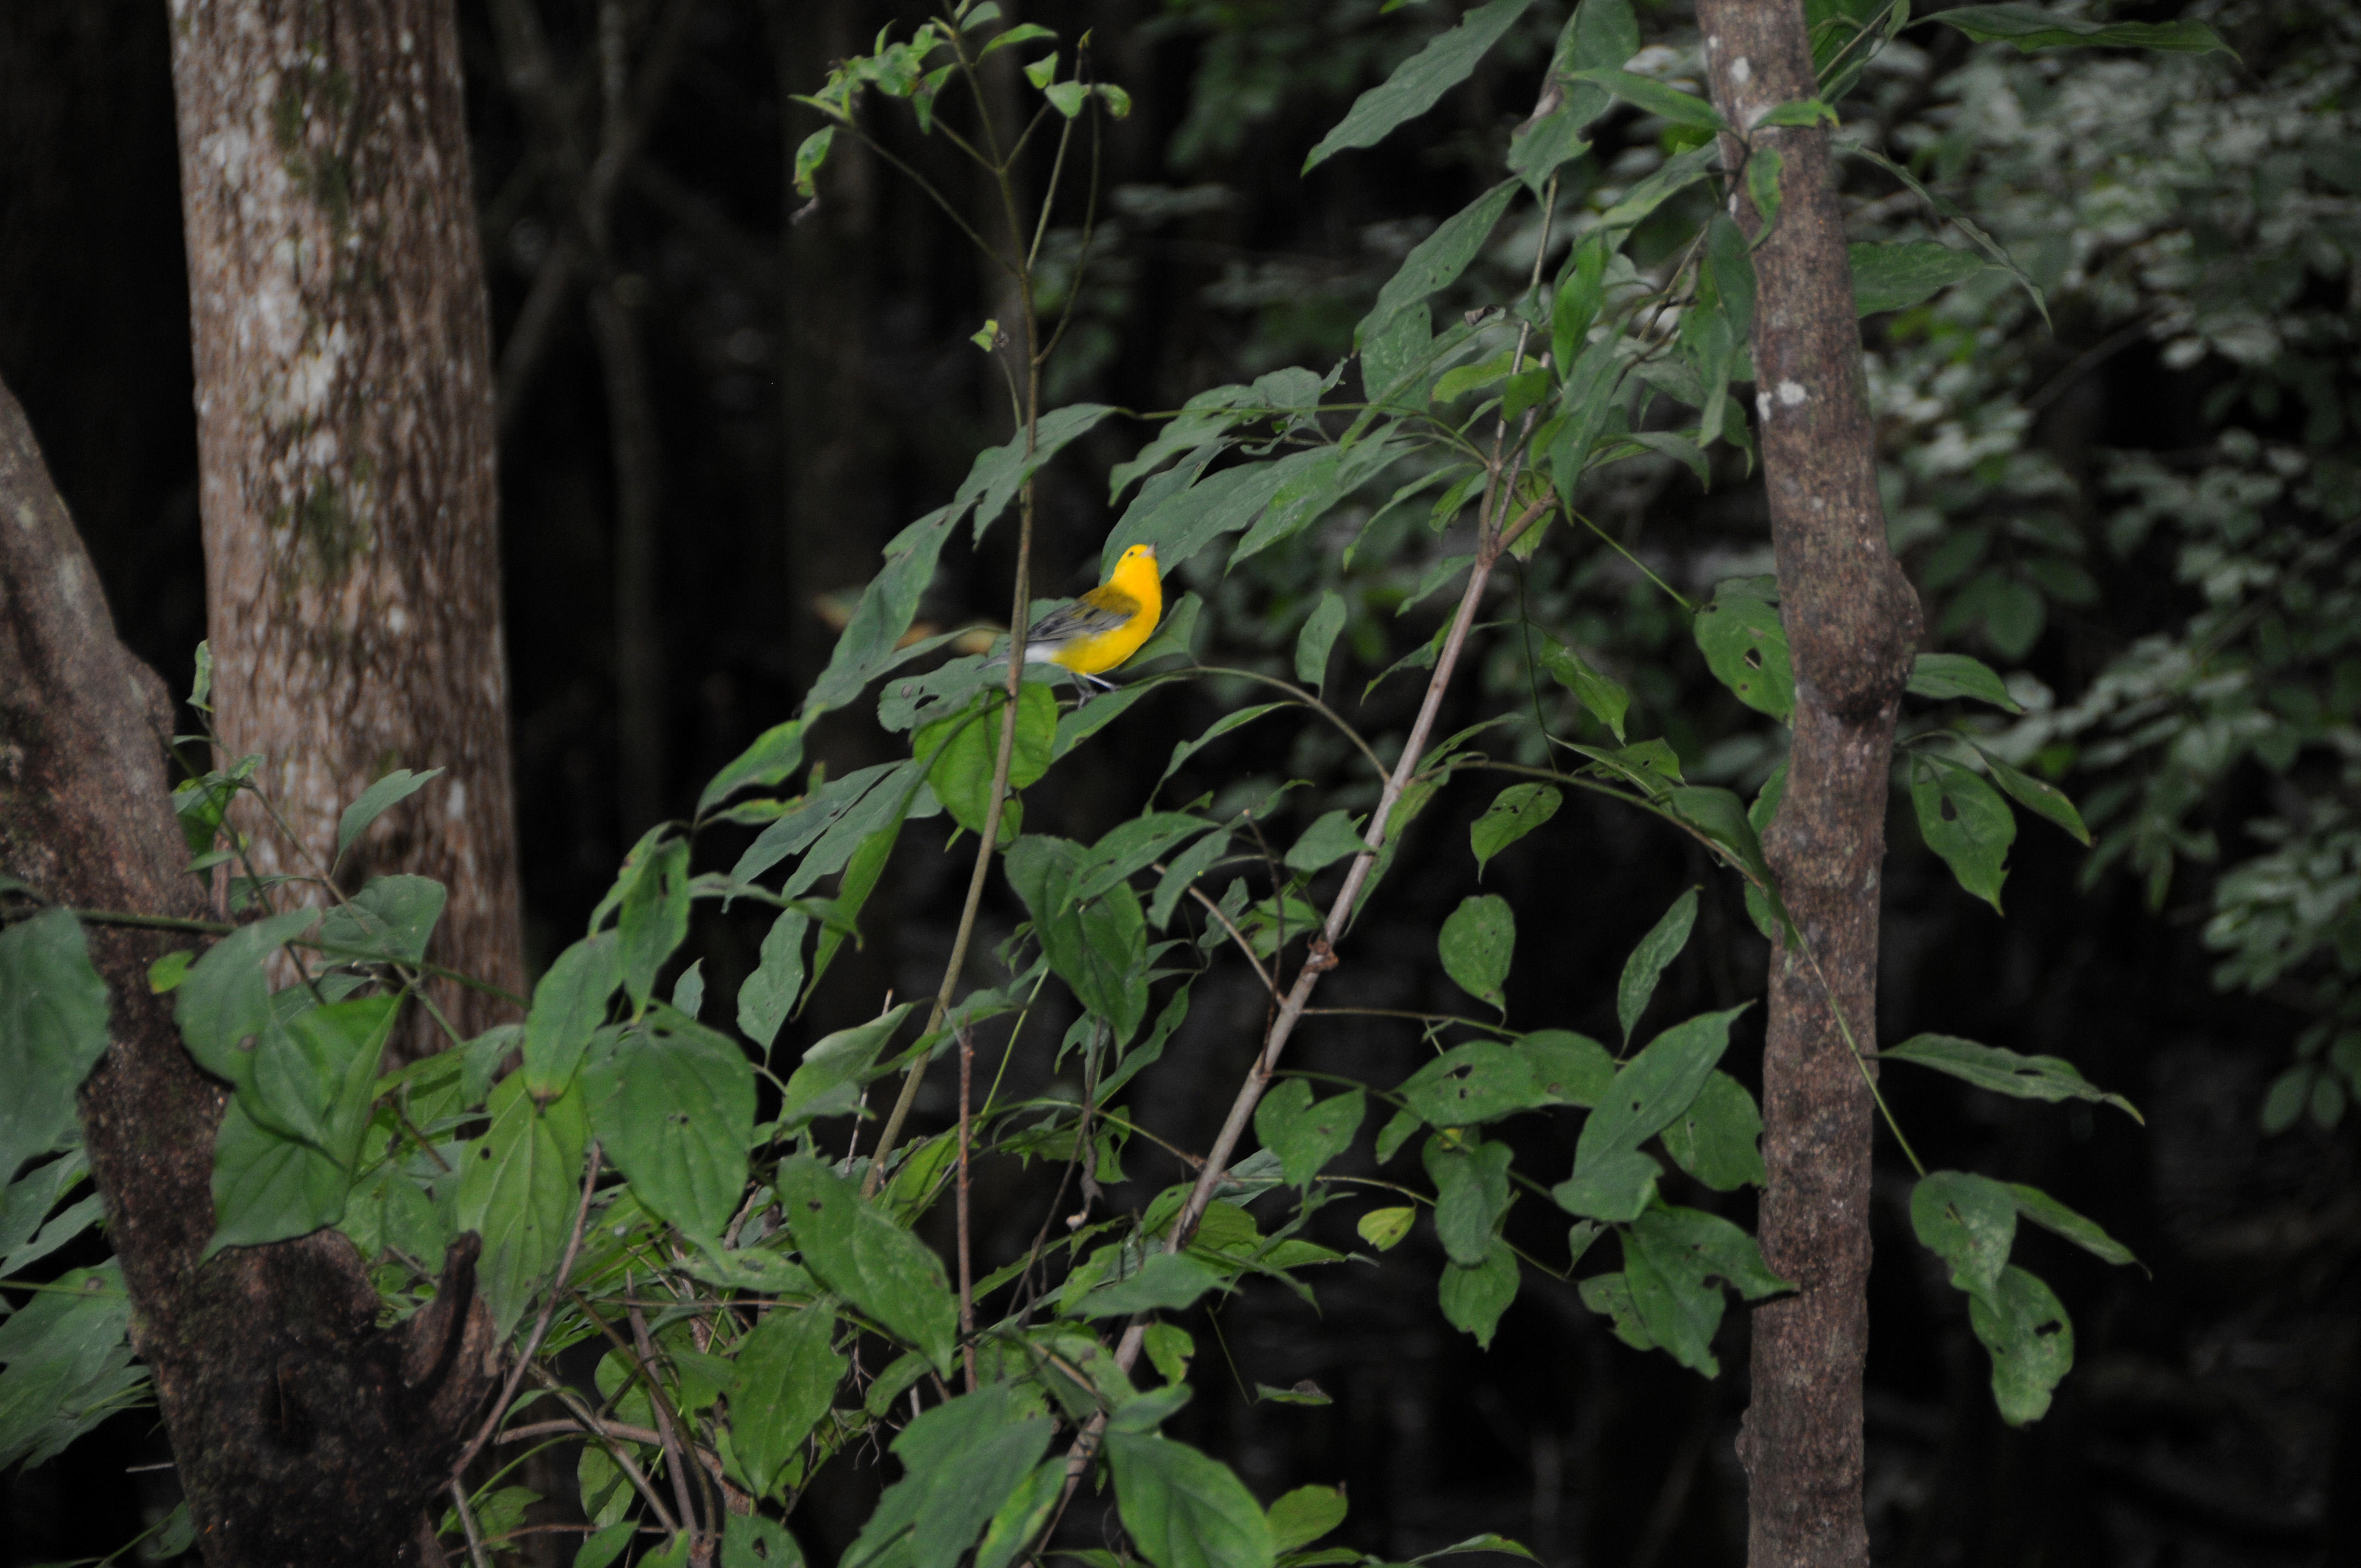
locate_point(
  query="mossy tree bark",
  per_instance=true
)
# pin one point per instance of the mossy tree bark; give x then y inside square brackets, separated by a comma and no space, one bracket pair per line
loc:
[1852,623]
[302,1433]
[344,411]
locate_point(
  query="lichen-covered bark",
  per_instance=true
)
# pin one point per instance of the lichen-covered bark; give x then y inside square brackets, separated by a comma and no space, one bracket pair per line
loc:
[303,1433]
[1852,623]
[345,412]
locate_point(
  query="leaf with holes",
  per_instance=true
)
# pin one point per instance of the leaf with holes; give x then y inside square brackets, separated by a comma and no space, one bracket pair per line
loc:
[1747,650]
[674,1105]
[1969,1222]
[1514,812]
[2030,1339]
[1964,820]
[1306,1134]
[1719,1139]
[1471,1084]
[1477,941]
[863,1257]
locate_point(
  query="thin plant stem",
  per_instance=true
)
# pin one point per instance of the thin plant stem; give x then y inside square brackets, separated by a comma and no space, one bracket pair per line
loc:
[667,1425]
[1308,700]
[966,1264]
[468,1524]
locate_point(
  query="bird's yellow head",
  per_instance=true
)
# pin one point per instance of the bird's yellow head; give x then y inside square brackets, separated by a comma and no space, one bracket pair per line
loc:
[1136,552]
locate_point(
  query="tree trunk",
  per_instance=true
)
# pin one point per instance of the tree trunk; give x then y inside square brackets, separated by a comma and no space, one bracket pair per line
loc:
[304,1432]
[1852,623]
[344,411]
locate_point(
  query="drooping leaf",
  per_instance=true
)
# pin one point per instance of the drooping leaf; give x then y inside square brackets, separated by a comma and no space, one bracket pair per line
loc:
[766,996]
[1333,837]
[960,1461]
[775,753]
[2038,796]
[1436,261]
[1719,1139]
[2059,1220]
[1477,943]
[1471,1194]
[2030,1339]
[1606,701]
[2004,1071]
[1416,86]
[1304,1134]
[568,1006]
[863,1257]
[1656,97]
[1747,650]
[53,1021]
[829,1079]
[1968,1221]
[1317,637]
[1964,820]
[1896,276]
[1514,812]
[1646,966]
[375,801]
[673,1102]
[786,1371]
[1184,1509]
[1474,1299]
[1099,949]
[1941,676]
[654,917]
[1187,866]
[1165,1282]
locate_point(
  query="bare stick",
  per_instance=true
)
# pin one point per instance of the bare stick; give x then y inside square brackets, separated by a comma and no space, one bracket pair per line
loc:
[467,1523]
[615,1450]
[666,1430]
[541,1325]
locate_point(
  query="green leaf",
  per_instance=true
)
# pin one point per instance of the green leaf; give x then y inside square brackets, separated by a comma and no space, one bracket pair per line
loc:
[1799,112]
[810,154]
[1656,97]
[1992,248]
[748,1540]
[1964,820]
[674,1105]
[1471,1084]
[1166,1281]
[1129,847]
[2004,1071]
[1318,636]
[316,1076]
[1304,1135]
[765,997]
[1024,1516]
[1326,475]
[1436,261]
[389,921]
[1180,514]
[266,1188]
[1765,167]
[1184,1509]
[1610,1294]
[1474,1299]
[1656,1085]
[2032,28]
[1099,949]
[1471,1194]
[1416,86]
[1616,1184]
[1333,837]
[787,1370]
[373,802]
[1384,1228]
[2038,795]
[1967,1221]
[1488,1541]
[1477,941]
[1719,1139]
[1567,1067]
[1649,960]
[1606,701]
[1169,1350]
[568,1006]
[1941,676]
[519,1185]
[654,918]
[2031,1342]
[1733,276]
[227,1000]
[1514,812]
[861,1256]
[1678,1310]
[1301,1517]
[2059,1220]
[1896,277]
[53,1021]
[1676,176]
[827,1081]
[1747,650]
[960,1461]
[69,1363]
[775,753]
[819,812]
[1236,718]
[1186,868]
[969,744]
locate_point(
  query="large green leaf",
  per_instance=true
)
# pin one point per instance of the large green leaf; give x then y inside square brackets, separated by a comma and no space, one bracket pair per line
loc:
[1657,1084]
[863,1257]
[315,1076]
[1940,677]
[1304,1134]
[1649,960]
[1471,1194]
[1896,277]
[960,1461]
[269,1187]
[654,918]
[1164,1282]
[1184,1509]
[820,811]
[69,1363]
[2003,1071]
[1514,812]
[970,751]
[1477,942]
[1747,649]
[2031,28]
[1181,517]
[1129,847]
[1416,86]
[827,1081]
[54,1014]
[1719,1139]
[1964,820]
[775,753]
[568,1006]
[375,801]
[1099,949]
[520,1186]
[765,997]
[1968,1221]
[1474,1299]
[225,1000]
[673,1102]
[787,1370]
[1470,1084]
[1656,97]
[389,921]
[1436,262]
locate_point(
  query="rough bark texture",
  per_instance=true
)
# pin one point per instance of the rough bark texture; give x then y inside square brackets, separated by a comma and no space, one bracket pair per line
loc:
[345,438]
[304,1432]
[1852,623]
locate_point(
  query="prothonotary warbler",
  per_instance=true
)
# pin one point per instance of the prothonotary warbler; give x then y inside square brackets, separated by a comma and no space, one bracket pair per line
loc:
[1106,626]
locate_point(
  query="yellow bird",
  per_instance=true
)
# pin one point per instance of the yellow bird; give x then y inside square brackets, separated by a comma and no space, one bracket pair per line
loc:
[1106,626]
